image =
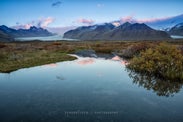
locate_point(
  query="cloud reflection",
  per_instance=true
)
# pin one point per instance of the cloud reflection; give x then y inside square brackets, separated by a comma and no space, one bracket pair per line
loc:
[86,61]
[116,58]
[51,65]
[122,61]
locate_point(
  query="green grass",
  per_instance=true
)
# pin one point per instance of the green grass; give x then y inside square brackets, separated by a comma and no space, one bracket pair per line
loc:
[16,61]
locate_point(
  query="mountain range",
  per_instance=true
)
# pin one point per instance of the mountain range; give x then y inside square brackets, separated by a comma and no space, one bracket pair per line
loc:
[177,30]
[108,31]
[9,34]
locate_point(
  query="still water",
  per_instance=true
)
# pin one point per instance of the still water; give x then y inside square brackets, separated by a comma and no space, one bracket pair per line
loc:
[47,38]
[87,90]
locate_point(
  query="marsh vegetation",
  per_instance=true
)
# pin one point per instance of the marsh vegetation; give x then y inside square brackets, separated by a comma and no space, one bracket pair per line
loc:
[163,60]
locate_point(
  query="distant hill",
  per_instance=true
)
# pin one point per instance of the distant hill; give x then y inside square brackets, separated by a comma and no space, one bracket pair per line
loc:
[177,30]
[107,31]
[31,32]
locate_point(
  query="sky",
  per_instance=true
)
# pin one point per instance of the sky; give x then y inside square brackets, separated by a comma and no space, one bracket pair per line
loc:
[71,13]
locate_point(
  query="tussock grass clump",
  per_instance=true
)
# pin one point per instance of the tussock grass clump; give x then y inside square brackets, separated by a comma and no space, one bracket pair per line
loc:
[164,60]
[135,49]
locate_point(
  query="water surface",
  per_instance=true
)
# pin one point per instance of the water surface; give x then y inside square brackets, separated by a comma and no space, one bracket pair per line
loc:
[176,37]
[86,89]
[47,38]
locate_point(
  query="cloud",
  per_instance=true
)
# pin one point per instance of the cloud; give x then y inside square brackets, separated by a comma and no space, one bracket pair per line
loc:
[27,26]
[22,26]
[132,19]
[100,5]
[129,18]
[85,21]
[56,4]
[152,20]
[43,23]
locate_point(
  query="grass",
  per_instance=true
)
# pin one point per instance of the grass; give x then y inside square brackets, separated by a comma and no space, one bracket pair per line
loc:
[164,61]
[18,55]
[16,61]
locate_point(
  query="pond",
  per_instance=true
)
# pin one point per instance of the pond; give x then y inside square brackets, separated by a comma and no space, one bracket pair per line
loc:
[89,90]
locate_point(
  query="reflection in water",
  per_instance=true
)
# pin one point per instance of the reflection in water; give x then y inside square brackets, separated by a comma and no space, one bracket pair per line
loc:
[86,61]
[44,94]
[60,77]
[123,62]
[116,58]
[51,65]
[161,87]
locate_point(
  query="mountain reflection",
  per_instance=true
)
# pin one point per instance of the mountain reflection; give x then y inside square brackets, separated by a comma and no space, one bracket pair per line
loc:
[160,87]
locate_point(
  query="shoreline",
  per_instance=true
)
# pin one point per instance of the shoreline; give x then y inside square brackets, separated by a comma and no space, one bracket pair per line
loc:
[17,55]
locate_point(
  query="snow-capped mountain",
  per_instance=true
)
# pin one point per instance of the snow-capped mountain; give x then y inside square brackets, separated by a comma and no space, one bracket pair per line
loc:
[108,31]
[159,24]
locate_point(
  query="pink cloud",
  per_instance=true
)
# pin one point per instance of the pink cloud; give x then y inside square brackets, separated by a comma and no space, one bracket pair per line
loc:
[127,19]
[85,21]
[22,26]
[132,19]
[27,26]
[152,19]
[44,22]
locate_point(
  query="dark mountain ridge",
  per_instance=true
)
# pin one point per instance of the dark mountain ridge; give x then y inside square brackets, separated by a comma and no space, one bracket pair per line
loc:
[126,31]
[177,30]
[31,32]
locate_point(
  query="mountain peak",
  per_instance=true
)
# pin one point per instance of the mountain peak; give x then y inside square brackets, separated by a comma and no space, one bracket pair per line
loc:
[127,23]
[124,25]
[33,27]
[177,30]
[33,31]
[4,27]
[179,25]
[126,31]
